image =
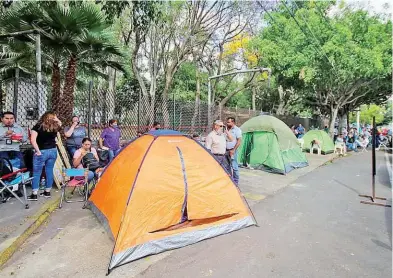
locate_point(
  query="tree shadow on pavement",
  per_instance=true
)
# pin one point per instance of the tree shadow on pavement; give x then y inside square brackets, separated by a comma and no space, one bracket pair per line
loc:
[388,218]
[347,186]
[383,245]
[388,221]
[384,177]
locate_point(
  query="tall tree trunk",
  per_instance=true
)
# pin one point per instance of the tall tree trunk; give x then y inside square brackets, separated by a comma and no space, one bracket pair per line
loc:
[110,99]
[67,108]
[152,110]
[197,99]
[333,116]
[347,115]
[165,92]
[281,98]
[56,88]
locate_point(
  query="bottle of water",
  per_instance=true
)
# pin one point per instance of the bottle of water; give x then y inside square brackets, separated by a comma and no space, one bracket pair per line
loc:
[42,183]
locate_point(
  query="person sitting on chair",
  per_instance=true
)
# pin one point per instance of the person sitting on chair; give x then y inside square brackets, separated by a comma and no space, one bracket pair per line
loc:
[87,157]
[351,142]
[11,136]
[363,142]
[341,142]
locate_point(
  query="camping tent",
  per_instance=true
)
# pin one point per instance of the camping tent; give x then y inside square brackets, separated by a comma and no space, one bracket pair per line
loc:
[165,191]
[269,144]
[326,143]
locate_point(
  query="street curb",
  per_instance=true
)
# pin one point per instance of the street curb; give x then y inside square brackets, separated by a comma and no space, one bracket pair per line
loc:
[40,218]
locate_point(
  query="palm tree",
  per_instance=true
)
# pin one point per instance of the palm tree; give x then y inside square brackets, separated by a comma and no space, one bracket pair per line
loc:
[73,37]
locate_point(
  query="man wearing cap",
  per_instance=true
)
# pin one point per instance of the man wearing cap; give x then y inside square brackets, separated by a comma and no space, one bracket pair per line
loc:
[216,142]
[11,136]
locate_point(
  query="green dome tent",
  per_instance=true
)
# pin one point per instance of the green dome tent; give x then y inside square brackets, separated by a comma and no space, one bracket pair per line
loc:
[269,144]
[326,143]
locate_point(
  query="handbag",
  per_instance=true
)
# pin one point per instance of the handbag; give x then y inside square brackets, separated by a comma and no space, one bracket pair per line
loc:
[90,162]
[103,155]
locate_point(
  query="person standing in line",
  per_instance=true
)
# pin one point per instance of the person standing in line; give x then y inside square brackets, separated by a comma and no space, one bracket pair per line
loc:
[232,146]
[216,142]
[74,134]
[11,136]
[301,131]
[110,139]
[156,126]
[43,139]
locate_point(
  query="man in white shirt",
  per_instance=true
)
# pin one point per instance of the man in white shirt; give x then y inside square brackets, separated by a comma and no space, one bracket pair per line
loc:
[216,142]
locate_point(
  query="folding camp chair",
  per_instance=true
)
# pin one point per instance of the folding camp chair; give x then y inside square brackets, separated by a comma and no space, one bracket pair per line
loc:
[383,143]
[13,180]
[76,178]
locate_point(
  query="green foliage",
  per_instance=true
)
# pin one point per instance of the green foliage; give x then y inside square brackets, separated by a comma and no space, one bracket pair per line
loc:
[328,59]
[143,12]
[367,112]
[79,29]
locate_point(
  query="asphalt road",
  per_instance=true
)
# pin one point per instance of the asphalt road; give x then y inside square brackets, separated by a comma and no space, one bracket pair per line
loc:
[316,227]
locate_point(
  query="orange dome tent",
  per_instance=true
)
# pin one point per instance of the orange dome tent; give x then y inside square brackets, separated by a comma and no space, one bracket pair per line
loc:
[165,191]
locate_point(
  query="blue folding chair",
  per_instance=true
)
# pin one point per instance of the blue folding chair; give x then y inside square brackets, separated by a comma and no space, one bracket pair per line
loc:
[18,178]
[74,178]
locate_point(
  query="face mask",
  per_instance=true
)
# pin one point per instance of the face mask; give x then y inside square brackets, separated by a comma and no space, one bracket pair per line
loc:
[114,125]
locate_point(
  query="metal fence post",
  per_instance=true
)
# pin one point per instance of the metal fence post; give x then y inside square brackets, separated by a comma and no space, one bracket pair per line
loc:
[89,109]
[16,88]
[139,111]
[41,97]
[174,112]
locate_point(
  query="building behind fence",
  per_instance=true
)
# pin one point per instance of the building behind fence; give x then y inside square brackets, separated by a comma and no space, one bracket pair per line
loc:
[133,111]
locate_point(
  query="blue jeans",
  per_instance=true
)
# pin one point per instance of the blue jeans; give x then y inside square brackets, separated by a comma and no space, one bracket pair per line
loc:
[112,154]
[91,176]
[352,146]
[235,169]
[47,159]
[71,150]
[12,155]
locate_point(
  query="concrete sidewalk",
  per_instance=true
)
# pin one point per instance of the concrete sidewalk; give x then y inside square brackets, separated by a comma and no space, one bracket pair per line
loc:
[257,185]
[18,223]
[72,234]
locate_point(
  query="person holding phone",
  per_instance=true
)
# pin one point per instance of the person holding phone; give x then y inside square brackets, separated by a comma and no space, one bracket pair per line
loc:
[74,134]
[216,142]
[43,139]
[11,137]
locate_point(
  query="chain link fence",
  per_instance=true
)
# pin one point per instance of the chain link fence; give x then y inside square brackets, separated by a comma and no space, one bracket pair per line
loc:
[133,111]
[20,96]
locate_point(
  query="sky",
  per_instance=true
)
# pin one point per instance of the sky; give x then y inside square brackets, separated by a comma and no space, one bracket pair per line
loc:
[373,6]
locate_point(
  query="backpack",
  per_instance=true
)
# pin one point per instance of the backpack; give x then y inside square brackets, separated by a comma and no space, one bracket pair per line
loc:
[90,162]
[5,167]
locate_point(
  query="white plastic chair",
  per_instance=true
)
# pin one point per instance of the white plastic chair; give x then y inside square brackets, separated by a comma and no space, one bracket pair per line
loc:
[301,142]
[317,147]
[339,146]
